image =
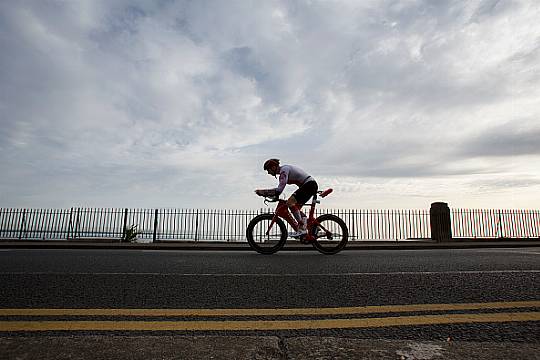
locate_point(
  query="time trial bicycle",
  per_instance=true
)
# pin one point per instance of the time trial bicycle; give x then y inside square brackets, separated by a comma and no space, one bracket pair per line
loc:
[267,233]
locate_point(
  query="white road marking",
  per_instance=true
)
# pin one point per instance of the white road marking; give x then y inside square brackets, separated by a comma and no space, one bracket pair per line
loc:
[281,275]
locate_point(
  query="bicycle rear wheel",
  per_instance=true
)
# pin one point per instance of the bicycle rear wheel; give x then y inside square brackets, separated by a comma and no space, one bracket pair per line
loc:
[261,239]
[331,234]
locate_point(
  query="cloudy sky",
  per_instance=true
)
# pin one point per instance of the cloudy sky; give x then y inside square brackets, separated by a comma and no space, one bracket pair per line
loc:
[394,104]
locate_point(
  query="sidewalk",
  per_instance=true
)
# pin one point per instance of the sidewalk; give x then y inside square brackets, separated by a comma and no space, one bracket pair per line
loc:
[291,245]
[256,347]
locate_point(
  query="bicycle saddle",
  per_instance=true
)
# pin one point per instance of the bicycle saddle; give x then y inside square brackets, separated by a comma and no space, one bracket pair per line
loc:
[325,192]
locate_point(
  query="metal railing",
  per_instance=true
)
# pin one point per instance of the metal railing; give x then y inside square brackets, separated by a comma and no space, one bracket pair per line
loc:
[230,225]
[193,224]
[477,223]
[386,224]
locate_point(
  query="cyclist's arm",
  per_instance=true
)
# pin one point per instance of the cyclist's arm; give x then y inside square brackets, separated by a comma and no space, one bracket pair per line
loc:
[283,177]
[266,192]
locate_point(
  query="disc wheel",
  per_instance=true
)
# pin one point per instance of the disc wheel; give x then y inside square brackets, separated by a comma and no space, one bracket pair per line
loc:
[262,240]
[331,234]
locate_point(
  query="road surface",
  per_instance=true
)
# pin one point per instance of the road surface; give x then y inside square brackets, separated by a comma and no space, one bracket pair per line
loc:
[288,305]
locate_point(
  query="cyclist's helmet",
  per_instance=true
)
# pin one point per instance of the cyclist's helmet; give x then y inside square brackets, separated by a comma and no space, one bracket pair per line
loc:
[269,163]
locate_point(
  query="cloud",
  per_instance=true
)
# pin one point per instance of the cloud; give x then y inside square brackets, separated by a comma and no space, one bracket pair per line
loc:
[135,102]
[430,83]
[508,140]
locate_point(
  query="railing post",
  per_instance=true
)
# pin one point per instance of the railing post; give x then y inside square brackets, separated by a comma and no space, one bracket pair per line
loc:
[70,226]
[125,225]
[196,225]
[500,226]
[77,223]
[441,227]
[155,225]
[23,223]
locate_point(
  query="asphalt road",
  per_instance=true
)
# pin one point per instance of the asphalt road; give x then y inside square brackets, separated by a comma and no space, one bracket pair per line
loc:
[371,295]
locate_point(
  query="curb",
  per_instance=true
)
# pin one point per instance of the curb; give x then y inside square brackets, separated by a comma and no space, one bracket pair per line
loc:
[239,246]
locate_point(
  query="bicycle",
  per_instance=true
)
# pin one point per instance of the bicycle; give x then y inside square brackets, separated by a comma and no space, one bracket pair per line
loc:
[327,233]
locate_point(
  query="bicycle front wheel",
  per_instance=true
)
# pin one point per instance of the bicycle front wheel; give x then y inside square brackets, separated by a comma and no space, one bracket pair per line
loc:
[262,238]
[331,234]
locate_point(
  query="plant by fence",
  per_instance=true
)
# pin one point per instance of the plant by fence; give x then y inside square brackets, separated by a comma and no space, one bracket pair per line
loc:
[230,225]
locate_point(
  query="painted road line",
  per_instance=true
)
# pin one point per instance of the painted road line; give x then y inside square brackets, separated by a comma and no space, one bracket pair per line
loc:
[271,312]
[464,272]
[266,325]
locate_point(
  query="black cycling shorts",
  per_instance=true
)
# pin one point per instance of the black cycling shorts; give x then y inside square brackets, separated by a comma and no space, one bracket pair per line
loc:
[306,192]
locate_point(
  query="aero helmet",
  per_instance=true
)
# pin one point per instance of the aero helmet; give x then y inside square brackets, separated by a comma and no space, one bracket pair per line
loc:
[270,162]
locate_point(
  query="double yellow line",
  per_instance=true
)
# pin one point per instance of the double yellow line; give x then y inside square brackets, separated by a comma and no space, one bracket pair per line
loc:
[239,325]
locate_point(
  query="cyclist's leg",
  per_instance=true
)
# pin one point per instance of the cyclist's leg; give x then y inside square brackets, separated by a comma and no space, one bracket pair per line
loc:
[293,205]
[305,192]
[299,198]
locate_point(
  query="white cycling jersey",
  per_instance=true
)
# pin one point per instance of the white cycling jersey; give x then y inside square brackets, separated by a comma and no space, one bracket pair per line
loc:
[289,174]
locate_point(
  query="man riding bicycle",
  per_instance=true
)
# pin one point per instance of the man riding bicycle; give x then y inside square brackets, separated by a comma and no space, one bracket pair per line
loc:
[289,174]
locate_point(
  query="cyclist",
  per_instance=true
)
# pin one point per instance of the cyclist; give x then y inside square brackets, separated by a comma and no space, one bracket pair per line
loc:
[289,174]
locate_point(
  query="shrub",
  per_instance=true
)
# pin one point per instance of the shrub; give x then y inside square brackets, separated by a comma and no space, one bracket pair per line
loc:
[130,234]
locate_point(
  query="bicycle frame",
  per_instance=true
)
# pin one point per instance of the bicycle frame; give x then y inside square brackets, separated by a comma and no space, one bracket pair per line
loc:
[282,211]
[327,233]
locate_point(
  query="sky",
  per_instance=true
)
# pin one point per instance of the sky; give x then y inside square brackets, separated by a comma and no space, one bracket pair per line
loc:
[177,104]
